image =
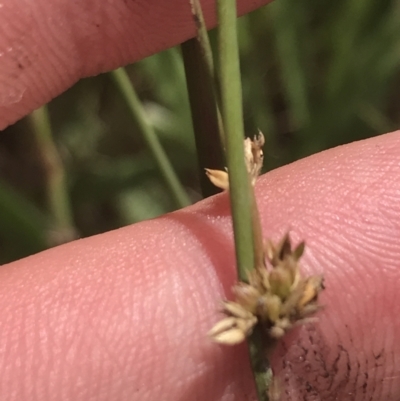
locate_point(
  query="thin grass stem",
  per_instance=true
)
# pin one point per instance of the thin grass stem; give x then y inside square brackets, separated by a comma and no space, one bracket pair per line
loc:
[240,189]
[231,94]
[205,47]
[56,187]
[125,87]
[204,114]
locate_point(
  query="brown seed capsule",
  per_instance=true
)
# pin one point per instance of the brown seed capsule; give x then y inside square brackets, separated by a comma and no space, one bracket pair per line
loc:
[312,288]
[281,281]
[236,310]
[232,330]
[232,336]
[247,296]
[270,307]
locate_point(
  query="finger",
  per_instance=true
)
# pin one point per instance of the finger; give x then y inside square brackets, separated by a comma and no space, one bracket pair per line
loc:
[346,204]
[46,47]
[123,315]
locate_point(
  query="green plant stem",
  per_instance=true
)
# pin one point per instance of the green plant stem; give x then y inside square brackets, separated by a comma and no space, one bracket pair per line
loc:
[239,184]
[204,114]
[202,36]
[124,85]
[233,122]
[205,47]
[56,187]
[205,100]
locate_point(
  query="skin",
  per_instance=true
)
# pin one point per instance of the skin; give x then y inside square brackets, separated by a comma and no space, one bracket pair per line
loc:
[123,315]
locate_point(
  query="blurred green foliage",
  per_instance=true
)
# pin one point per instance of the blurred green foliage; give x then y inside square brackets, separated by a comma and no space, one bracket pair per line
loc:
[315,74]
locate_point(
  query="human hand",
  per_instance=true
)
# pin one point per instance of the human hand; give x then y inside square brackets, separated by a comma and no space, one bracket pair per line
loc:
[45,47]
[124,315]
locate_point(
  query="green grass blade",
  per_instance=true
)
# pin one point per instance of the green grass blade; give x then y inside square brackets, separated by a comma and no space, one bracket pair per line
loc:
[56,188]
[126,89]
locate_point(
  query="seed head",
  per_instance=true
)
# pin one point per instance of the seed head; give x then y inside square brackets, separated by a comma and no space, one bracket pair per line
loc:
[277,297]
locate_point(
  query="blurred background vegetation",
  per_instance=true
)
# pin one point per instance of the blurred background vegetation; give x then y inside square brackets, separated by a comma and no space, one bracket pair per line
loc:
[315,74]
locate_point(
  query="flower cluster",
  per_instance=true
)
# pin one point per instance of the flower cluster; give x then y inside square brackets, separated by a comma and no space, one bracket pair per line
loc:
[277,297]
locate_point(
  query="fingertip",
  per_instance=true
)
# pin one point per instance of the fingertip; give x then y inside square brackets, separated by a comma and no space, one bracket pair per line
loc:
[46,47]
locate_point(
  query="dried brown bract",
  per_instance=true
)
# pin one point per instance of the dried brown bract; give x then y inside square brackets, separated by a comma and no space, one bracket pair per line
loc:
[219,178]
[254,156]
